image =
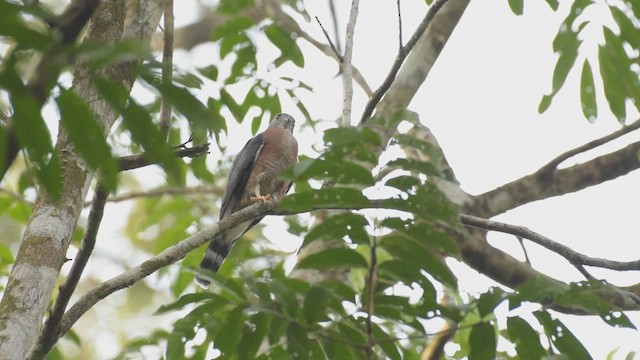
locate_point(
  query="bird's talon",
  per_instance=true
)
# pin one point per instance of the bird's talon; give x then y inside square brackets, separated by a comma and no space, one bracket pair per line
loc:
[264,198]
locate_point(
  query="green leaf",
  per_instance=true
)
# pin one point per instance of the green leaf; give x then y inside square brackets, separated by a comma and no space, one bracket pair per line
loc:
[338,171]
[588,93]
[297,342]
[408,273]
[482,341]
[184,329]
[338,226]
[388,347]
[553,4]
[285,43]
[188,80]
[333,258]
[285,295]
[87,135]
[561,337]
[566,44]
[146,133]
[232,42]
[517,6]
[6,257]
[186,300]
[526,339]
[210,72]
[315,305]
[334,197]
[489,300]
[232,105]
[416,254]
[231,26]
[251,341]
[228,337]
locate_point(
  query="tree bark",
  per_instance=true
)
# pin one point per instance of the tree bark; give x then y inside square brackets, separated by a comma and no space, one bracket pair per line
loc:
[50,227]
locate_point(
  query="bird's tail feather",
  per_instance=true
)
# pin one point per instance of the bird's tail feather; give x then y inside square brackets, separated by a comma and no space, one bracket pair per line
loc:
[214,257]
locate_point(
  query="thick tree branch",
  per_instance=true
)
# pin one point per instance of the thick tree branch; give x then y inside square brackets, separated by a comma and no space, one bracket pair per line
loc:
[538,186]
[402,54]
[553,164]
[69,25]
[50,227]
[166,257]
[571,255]
[48,336]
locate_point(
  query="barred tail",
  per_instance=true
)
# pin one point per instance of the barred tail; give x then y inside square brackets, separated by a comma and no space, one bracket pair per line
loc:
[217,251]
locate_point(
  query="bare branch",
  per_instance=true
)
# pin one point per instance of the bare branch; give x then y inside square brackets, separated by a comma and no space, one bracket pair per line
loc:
[334,18]
[48,336]
[336,52]
[571,255]
[538,186]
[137,161]
[400,41]
[553,164]
[153,264]
[402,54]
[347,69]
[167,67]
[192,190]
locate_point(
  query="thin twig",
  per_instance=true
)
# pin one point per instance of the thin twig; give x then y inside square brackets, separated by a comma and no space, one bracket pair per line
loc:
[571,255]
[553,164]
[400,41]
[16,196]
[161,191]
[49,334]
[402,54]
[334,18]
[167,67]
[137,161]
[347,69]
[524,250]
[336,52]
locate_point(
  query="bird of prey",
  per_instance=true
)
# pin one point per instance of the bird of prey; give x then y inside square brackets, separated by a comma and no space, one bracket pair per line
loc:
[254,176]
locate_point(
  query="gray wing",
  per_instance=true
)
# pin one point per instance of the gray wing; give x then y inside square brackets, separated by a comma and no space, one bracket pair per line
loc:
[239,175]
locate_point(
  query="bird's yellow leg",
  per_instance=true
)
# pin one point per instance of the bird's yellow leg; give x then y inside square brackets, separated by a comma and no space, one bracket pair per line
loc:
[264,198]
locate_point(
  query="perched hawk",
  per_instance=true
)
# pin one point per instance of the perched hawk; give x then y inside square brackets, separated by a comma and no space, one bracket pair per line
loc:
[254,176]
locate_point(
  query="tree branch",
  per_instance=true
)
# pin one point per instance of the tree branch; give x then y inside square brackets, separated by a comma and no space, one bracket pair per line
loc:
[538,186]
[345,65]
[161,191]
[167,67]
[50,227]
[566,252]
[48,336]
[402,54]
[553,164]
[137,161]
[69,25]
[335,50]
[153,264]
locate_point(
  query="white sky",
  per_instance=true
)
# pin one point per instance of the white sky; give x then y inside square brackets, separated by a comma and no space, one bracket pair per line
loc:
[481,102]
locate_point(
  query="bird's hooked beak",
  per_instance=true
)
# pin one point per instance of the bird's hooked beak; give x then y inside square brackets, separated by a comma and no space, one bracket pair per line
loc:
[284,121]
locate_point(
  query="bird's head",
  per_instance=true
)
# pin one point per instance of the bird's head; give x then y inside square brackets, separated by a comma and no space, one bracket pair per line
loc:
[284,121]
